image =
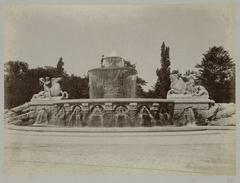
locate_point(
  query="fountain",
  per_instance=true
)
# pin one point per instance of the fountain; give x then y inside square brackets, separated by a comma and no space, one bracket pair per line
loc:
[112,102]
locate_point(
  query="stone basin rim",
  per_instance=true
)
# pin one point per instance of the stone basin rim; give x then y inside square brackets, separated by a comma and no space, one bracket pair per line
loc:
[116,129]
[112,68]
[102,100]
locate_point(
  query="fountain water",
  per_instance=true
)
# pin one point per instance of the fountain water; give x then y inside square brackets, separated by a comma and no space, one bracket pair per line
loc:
[41,117]
[112,80]
[75,118]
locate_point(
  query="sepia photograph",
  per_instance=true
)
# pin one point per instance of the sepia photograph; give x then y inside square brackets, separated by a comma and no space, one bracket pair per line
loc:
[119,89]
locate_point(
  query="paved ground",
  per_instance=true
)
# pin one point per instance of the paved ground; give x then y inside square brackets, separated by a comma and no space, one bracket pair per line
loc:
[210,152]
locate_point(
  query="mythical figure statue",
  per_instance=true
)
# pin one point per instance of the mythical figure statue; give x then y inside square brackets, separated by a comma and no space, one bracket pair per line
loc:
[220,114]
[188,88]
[200,91]
[46,83]
[178,86]
[52,89]
[102,60]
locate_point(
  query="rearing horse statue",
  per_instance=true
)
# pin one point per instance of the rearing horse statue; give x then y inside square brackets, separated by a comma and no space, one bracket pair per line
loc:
[52,89]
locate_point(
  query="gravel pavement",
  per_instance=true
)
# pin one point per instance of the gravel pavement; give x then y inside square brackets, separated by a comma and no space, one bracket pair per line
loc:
[209,152]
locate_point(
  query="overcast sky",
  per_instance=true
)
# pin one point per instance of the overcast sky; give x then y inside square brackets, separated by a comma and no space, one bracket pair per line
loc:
[39,35]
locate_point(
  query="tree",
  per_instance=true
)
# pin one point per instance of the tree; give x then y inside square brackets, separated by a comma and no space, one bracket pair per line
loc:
[76,86]
[140,82]
[217,74]
[15,91]
[189,72]
[60,69]
[176,71]
[139,90]
[163,74]
[15,68]
[21,83]
[150,93]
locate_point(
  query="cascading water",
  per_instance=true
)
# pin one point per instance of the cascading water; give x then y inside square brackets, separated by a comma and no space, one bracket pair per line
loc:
[112,80]
[41,117]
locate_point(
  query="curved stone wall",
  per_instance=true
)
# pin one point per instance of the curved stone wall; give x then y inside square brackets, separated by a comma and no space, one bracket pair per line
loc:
[112,112]
[97,113]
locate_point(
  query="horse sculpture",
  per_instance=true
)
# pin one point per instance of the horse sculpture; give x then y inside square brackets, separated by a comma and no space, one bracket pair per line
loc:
[52,89]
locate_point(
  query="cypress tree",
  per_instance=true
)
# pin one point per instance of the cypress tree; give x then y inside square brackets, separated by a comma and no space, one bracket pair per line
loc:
[60,69]
[162,85]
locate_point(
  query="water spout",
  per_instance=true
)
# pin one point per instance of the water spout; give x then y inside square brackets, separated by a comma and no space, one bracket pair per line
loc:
[41,117]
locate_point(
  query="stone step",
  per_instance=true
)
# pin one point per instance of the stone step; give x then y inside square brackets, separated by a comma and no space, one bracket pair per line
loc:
[30,114]
[9,115]
[15,122]
[22,123]
[26,110]
[20,108]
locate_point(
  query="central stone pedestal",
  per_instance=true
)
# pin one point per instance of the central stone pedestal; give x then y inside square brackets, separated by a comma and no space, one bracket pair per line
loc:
[112,80]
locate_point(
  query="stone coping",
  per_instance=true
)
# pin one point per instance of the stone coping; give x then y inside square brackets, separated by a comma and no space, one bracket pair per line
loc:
[122,100]
[113,68]
[100,100]
[109,57]
[116,129]
[193,101]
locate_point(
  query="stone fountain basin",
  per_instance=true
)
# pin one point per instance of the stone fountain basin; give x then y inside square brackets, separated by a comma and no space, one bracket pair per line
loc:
[100,100]
[104,112]
[117,130]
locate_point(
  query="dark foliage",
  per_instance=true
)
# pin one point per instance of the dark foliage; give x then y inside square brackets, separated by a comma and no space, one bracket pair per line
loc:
[217,74]
[60,69]
[140,82]
[163,81]
[76,86]
[15,88]
[21,83]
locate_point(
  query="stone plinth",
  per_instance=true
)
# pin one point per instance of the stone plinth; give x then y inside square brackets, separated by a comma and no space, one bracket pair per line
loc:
[199,103]
[186,107]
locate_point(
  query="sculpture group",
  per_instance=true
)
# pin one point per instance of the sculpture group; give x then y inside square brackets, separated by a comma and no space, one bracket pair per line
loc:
[52,89]
[188,88]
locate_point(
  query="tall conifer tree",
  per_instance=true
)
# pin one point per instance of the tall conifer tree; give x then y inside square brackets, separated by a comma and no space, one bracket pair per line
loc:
[163,74]
[217,74]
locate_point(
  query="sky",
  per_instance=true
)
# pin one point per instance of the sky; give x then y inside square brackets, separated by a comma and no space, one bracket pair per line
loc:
[81,34]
